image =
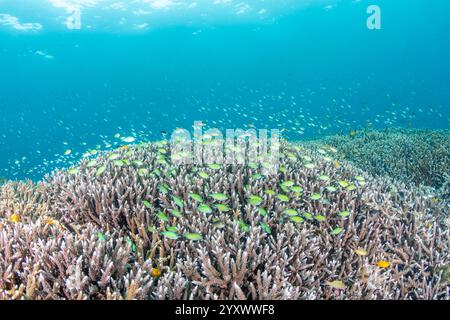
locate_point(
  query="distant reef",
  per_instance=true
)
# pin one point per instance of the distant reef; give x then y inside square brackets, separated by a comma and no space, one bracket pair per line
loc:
[421,157]
[362,216]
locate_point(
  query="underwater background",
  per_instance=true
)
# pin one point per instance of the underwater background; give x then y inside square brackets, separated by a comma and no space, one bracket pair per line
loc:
[352,203]
[143,68]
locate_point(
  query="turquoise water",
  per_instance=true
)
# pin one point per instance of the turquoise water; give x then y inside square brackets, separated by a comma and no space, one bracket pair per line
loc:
[144,68]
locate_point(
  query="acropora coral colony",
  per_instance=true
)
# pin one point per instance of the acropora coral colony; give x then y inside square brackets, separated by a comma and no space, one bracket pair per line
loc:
[126,224]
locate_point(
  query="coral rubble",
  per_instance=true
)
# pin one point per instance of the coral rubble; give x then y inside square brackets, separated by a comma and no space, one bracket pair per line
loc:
[129,225]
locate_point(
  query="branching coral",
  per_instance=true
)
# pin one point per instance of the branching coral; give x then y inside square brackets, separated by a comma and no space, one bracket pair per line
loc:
[409,155]
[129,225]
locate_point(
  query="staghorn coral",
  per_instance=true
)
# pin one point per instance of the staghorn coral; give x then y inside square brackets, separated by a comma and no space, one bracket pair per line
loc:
[22,199]
[120,226]
[410,155]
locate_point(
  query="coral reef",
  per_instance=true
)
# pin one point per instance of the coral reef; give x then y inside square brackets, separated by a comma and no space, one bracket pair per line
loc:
[129,225]
[410,155]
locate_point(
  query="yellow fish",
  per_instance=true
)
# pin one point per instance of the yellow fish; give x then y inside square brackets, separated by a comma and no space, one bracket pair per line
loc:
[50,221]
[383,264]
[15,218]
[156,272]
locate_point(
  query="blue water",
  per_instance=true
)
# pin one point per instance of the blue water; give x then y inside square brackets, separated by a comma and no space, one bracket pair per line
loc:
[311,68]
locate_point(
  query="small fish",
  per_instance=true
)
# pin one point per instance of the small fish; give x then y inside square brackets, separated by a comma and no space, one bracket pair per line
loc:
[91,163]
[162,216]
[310,165]
[100,170]
[196,197]
[147,204]
[203,208]
[155,272]
[343,183]
[297,219]
[336,231]
[290,212]
[73,171]
[383,264]
[255,200]
[203,175]
[361,252]
[344,214]
[315,196]
[262,212]
[50,222]
[172,229]
[128,139]
[283,198]
[219,196]
[170,235]
[320,218]
[244,227]
[175,213]
[143,172]
[222,207]
[178,201]
[193,236]
[337,284]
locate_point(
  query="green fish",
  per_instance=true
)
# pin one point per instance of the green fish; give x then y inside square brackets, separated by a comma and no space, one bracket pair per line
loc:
[320,218]
[193,236]
[143,172]
[172,229]
[244,227]
[265,227]
[178,201]
[162,216]
[91,164]
[196,197]
[147,204]
[214,166]
[222,207]
[336,231]
[170,235]
[283,197]
[290,212]
[175,213]
[219,196]
[344,214]
[100,170]
[73,171]
[315,196]
[203,175]
[296,219]
[203,208]
[262,212]
[255,200]
[310,165]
